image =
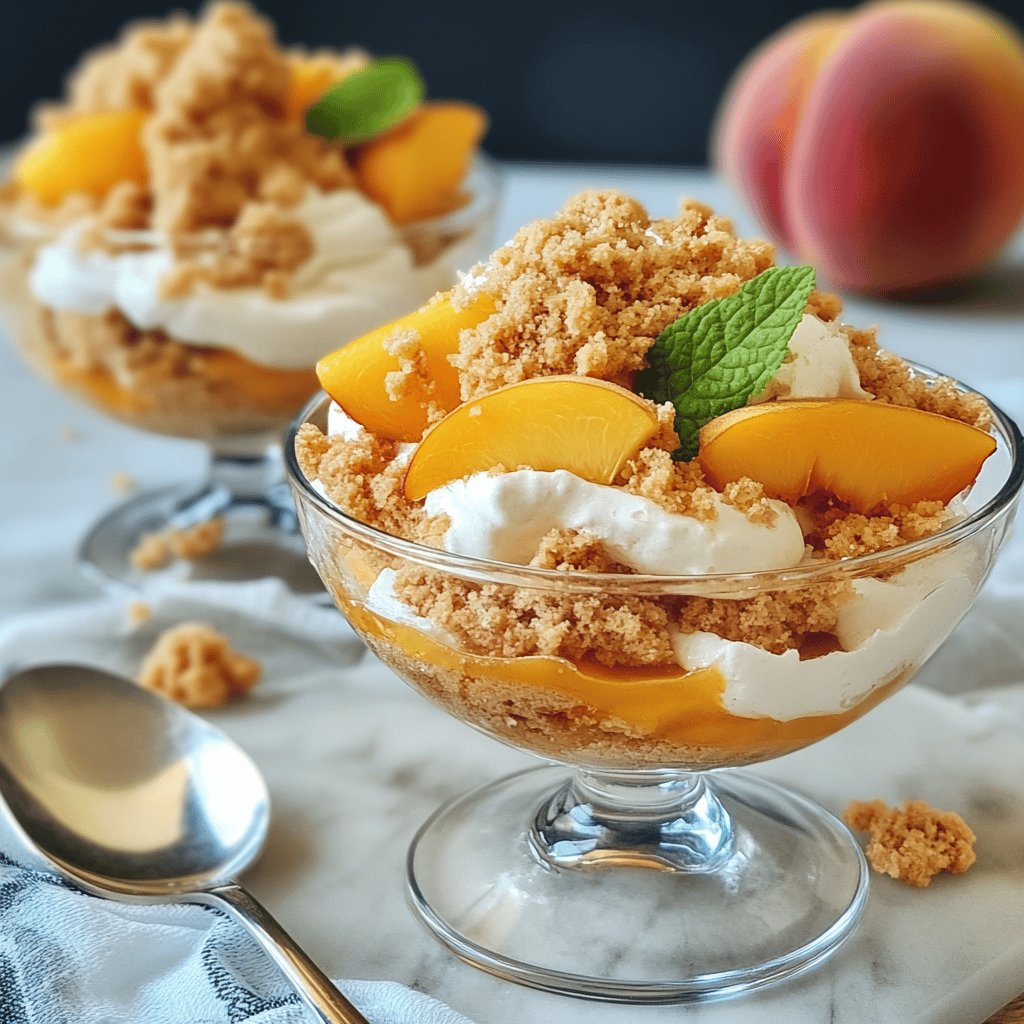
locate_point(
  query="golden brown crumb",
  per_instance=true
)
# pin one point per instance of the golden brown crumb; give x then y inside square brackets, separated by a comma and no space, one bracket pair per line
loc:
[890,379]
[69,433]
[155,550]
[839,533]
[824,305]
[195,666]
[223,149]
[126,207]
[265,246]
[123,483]
[197,541]
[515,622]
[913,844]
[678,487]
[776,621]
[311,444]
[588,291]
[218,125]
[575,551]
[139,612]
[157,383]
[126,74]
[151,552]
[364,479]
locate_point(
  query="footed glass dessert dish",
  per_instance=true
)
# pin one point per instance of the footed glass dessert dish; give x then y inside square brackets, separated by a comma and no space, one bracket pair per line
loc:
[631,867]
[201,216]
[238,406]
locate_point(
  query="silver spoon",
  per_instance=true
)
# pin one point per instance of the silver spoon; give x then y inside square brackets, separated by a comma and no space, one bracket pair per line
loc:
[136,799]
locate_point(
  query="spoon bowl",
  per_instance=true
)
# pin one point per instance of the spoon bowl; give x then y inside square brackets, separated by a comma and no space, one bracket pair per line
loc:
[134,798]
[123,788]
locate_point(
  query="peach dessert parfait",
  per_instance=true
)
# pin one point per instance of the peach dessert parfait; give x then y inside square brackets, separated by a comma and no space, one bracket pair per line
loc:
[634,500]
[197,221]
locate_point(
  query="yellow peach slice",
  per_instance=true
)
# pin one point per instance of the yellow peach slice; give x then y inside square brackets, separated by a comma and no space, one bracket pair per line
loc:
[89,154]
[588,427]
[415,171]
[867,454]
[355,376]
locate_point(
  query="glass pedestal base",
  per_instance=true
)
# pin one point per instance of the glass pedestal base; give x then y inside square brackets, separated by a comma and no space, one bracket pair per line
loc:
[503,876]
[260,531]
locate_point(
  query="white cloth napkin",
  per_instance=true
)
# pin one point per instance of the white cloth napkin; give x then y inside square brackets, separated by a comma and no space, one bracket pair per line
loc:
[70,958]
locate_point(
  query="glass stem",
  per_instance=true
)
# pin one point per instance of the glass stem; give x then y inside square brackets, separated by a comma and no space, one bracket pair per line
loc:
[667,820]
[243,472]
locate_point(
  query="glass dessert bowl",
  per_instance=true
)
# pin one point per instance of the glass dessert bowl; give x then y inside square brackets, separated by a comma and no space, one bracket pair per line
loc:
[753,883]
[177,249]
[632,499]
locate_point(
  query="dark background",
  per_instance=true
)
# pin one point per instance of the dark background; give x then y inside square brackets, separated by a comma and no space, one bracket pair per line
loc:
[606,80]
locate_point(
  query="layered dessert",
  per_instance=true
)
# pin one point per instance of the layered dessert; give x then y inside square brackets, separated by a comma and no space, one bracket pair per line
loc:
[206,212]
[728,506]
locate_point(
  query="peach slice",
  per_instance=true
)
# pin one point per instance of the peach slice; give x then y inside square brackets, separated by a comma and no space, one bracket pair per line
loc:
[415,171]
[355,375]
[865,453]
[586,426]
[89,154]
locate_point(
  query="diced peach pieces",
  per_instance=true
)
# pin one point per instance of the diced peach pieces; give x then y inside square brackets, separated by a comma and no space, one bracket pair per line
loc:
[310,79]
[586,426]
[356,375]
[415,171]
[867,454]
[89,154]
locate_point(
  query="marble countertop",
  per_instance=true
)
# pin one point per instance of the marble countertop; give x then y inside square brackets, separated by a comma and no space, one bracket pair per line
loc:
[355,761]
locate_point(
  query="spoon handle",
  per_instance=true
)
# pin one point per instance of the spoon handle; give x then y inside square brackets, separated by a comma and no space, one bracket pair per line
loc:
[316,989]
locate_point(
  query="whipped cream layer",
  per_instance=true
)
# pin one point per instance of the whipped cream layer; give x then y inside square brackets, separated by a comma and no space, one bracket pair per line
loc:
[819,365]
[359,276]
[503,517]
[889,627]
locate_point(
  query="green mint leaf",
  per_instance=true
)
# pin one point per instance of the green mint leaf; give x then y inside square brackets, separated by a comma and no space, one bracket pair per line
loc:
[368,102]
[712,359]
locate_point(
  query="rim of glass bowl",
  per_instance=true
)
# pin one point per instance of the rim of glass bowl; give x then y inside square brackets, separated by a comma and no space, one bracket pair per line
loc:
[482,182]
[710,584]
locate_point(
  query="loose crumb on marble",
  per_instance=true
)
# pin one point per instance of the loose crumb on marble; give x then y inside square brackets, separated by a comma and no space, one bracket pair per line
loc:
[155,550]
[123,483]
[915,843]
[139,612]
[195,665]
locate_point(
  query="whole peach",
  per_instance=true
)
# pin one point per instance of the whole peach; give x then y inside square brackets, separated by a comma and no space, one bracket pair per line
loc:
[886,145]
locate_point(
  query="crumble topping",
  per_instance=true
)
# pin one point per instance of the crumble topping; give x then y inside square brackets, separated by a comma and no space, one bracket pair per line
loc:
[514,622]
[155,550]
[776,621]
[890,379]
[839,533]
[588,291]
[222,147]
[195,666]
[915,843]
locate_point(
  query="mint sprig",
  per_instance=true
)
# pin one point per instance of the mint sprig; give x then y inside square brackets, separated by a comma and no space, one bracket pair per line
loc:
[712,359]
[367,102]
